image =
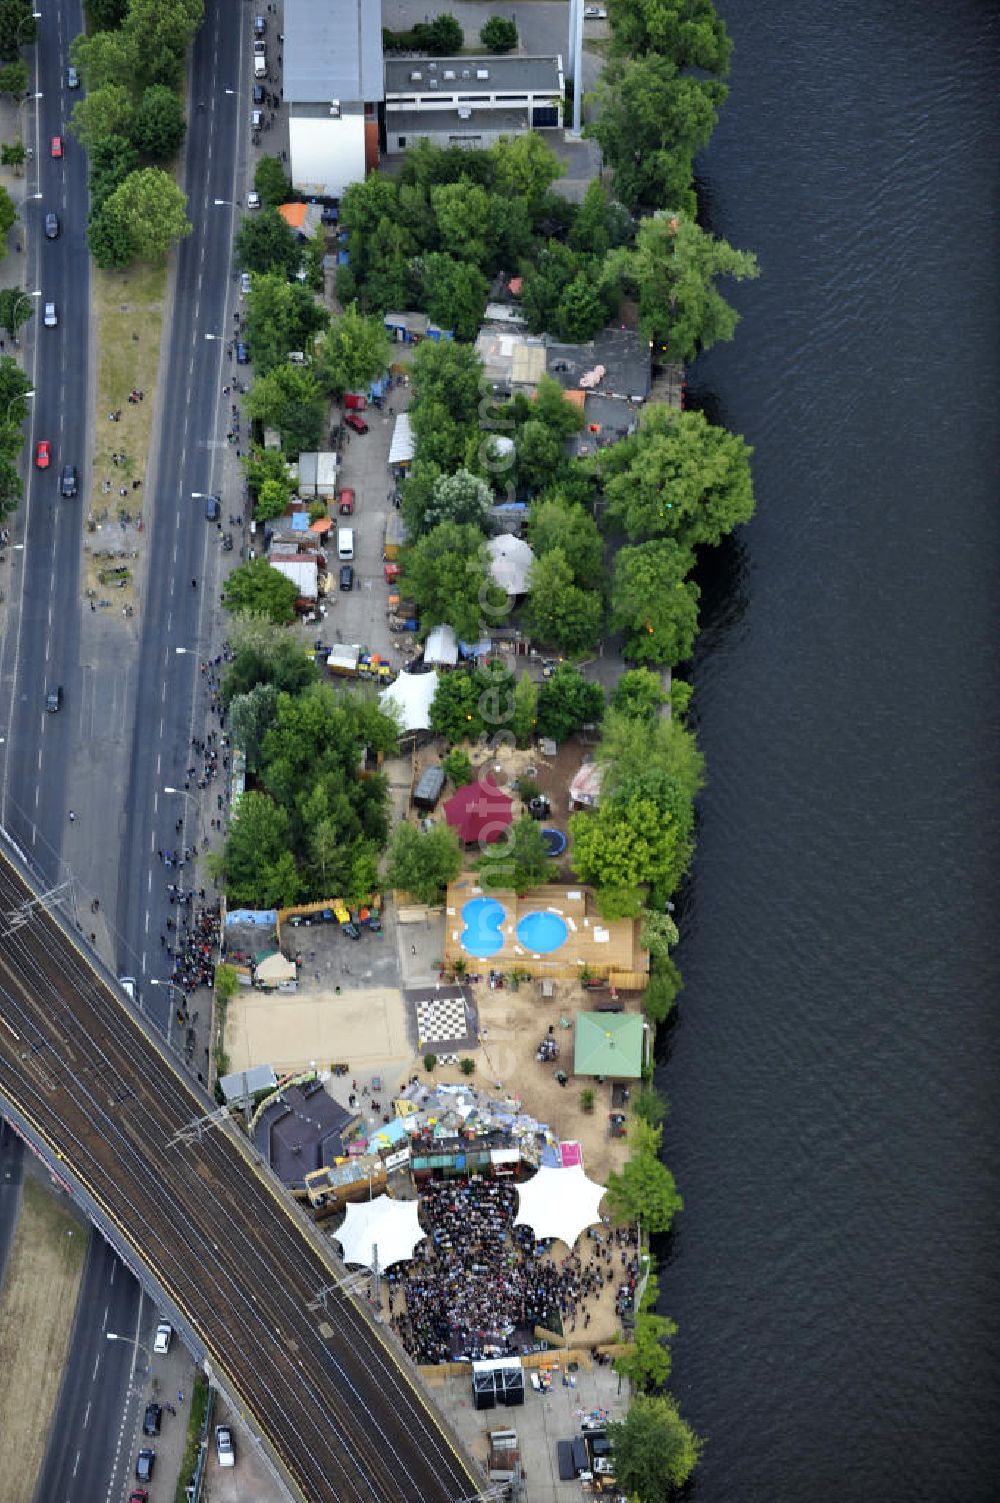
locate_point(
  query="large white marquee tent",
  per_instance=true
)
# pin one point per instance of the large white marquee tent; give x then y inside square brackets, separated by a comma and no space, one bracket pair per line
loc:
[389,1225]
[559,1203]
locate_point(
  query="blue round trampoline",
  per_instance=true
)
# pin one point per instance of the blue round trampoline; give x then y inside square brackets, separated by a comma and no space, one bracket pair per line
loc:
[554,841]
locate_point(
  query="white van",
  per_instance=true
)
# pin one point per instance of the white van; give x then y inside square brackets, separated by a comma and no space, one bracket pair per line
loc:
[259,66]
[345,543]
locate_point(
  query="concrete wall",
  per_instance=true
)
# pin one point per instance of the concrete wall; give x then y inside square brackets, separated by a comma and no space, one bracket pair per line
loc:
[326,154]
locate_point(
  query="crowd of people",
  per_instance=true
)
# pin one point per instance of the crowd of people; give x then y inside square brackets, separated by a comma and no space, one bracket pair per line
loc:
[196,945]
[481,1285]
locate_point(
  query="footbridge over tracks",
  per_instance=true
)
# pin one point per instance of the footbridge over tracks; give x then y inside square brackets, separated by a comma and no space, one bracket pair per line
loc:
[251,1284]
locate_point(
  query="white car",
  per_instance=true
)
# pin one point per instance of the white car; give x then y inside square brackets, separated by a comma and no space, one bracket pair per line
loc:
[594,13]
[224,1445]
[245,283]
[253,200]
[50,317]
[161,1343]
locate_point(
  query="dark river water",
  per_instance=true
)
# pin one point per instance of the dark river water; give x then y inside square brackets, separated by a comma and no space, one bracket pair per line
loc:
[835,1069]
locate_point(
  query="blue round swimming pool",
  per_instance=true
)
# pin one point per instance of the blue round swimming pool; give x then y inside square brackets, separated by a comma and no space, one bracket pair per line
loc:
[483,932]
[542,932]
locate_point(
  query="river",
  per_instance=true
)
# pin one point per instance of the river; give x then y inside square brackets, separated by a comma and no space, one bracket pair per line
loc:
[834,1073]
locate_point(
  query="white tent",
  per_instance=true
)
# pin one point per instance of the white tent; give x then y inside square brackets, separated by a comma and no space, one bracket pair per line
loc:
[403,445]
[391,1226]
[441,646]
[510,563]
[559,1203]
[412,695]
[302,572]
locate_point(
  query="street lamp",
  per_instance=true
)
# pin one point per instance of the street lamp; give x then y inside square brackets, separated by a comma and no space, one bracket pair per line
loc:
[23,397]
[183,792]
[129,1340]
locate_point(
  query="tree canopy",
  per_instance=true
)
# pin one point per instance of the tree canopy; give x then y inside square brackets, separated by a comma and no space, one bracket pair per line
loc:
[150,209]
[256,865]
[562,615]
[499,34]
[688,32]
[354,351]
[281,316]
[679,476]
[271,181]
[649,121]
[159,125]
[288,398]
[423,863]
[266,243]
[654,1450]
[567,702]
[556,523]
[256,589]
[638,837]
[654,602]
[463,498]
[446,574]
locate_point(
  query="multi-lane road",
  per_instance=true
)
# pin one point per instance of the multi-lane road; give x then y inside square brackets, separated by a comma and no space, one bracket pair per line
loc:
[243,1271]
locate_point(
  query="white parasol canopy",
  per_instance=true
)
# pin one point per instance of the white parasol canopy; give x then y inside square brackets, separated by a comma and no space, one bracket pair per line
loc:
[559,1203]
[389,1225]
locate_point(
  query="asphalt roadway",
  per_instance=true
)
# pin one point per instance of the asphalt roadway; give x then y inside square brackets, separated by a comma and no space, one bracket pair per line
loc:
[321,1386]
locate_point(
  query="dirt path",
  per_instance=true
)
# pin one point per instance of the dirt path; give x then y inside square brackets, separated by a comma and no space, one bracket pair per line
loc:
[37,1306]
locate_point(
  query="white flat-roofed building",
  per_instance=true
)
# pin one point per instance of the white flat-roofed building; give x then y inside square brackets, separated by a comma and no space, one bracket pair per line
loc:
[332,82]
[470,101]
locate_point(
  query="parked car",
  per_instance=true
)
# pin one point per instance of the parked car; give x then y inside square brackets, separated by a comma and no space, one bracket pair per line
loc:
[347,502]
[256,119]
[43,454]
[259,26]
[51,226]
[72,78]
[253,200]
[213,508]
[259,94]
[245,283]
[161,1342]
[347,576]
[151,1419]
[224,1445]
[353,421]
[242,353]
[68,481]
[594,13]
[355,401]
[144,1465]
[49,316]
[54,699]
[57,146]
[138,1495]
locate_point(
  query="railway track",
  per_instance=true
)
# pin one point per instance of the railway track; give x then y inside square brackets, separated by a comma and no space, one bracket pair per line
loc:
[318,1382]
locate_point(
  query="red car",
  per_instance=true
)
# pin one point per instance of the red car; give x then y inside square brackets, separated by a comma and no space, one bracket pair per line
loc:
[43,454]
[138,1495]
[347,502]
[57,146]
[353,421]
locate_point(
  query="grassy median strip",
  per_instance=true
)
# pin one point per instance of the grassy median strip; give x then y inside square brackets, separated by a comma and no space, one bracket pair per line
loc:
[128,327]
[37,1306]
[197,1416]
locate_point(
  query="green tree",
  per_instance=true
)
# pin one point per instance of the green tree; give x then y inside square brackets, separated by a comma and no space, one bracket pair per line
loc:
[8,214]
[567,702]
[644,1190]
[150,208]
[266,243]
[109,239]
[659,933]
[654,602]
[105,111]
[17,28]
[352,353]
[554,267]
[555,523]
[638,695]
[423,863]
[454,293]
[14,79]
[256,864]
[674,268]
[161,32]
[646,1361]
[13,154]
[265,654]
[14,385]
[517,861]
[455,709]
[16,307]
[498,35]
[256,589]
[679,476]
[461,498]
[632,750]
[649,121]
[665,984]
[288,398]
[271,182]
[462,214]
[272,501]
[651,1106]
[687,31]
[524,168]
[111,158]
[524,711]
[10,485]
[443,37]
[267,477]
[591,231]
[281,316]
[104,57]
[446,575]
[249,717]
[103,15]
[457,766]
[448,375]
[654,1450]
[159,124]
[540,455]
[625,844]
[561,614]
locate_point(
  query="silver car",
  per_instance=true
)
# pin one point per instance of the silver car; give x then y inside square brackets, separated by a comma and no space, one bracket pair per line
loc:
[50,317]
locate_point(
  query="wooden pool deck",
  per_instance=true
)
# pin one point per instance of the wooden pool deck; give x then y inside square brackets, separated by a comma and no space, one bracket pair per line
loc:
[609,948]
